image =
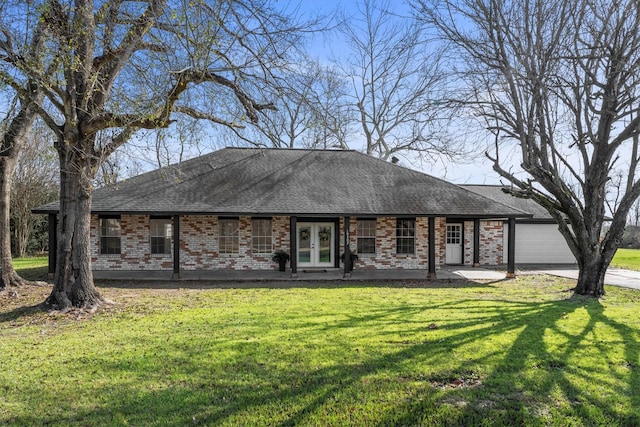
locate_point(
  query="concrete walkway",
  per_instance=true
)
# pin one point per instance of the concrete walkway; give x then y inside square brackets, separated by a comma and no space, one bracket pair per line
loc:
[446,273]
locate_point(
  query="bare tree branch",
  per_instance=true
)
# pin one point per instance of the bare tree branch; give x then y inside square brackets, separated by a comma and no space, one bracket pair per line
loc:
[560,80]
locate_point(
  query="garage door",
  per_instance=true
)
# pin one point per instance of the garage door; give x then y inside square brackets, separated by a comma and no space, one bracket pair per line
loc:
[539,244]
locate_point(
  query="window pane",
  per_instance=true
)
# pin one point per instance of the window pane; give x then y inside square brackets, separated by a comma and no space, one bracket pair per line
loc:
[366,245]
[110,245]
[454,234]
[110,227]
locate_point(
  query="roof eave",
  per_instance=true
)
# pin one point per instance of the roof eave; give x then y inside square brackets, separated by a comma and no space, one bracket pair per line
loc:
[45,210]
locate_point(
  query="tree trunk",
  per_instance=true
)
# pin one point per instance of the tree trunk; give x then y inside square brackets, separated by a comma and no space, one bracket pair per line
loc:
[21,231]
[12,143]
[73,279]
[591,278]
[594,256]
[8,276]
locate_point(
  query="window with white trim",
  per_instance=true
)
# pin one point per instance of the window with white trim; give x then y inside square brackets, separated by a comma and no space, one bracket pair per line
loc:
[110,235]
[160,235]
[405,236]
[228,236]
[366,236]
[261,240]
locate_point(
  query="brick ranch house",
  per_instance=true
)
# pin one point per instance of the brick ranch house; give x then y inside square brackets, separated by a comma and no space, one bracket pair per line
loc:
[233,208]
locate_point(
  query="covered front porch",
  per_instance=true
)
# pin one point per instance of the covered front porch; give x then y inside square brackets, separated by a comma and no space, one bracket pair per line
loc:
[429,238]
[435,241]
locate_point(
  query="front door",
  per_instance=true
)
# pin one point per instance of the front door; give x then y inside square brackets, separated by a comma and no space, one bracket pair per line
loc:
[315,244]
[454,244]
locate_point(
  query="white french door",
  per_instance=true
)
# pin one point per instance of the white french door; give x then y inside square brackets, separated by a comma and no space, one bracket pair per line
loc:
[315,242]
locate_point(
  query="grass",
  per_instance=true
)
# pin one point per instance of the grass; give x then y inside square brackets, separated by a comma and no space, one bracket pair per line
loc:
[627,258]
[520,352]
[32,268]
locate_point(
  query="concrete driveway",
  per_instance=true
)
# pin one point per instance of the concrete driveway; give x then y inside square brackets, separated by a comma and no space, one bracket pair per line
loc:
[614,276]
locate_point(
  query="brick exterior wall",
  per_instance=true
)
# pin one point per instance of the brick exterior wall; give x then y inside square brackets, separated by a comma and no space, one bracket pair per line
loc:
[386,256]
[491,242]
[199,245]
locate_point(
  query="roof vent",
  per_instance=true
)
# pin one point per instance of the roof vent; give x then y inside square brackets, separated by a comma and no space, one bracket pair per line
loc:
[394,160]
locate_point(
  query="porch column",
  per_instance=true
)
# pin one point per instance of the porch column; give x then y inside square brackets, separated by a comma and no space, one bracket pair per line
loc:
[176,247]
[293,225]
[53,244]
[347,250]
[476,242]
[432,248]
[511,254]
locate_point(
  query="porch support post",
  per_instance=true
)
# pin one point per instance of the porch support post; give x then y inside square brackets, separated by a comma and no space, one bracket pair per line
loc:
[53,244]
[176,247]
[293,225]
[511,253]
[347,250]
[476,242]
[432,248]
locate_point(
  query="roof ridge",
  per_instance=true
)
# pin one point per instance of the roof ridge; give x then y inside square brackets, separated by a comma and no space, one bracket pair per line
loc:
[336,150]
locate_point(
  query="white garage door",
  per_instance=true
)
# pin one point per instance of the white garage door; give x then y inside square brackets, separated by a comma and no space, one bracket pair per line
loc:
[539,244]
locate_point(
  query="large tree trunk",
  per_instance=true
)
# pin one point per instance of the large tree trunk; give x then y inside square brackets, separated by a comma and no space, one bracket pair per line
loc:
[594,253]
[12,143]
[73,280]
[591,276]
[8,276]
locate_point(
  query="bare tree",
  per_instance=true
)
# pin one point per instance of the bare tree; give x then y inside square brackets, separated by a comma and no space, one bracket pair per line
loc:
[35,183]
[559,81]
[311,109]
[116,67]
[284,126]
[330,124]
[397,83]
[635,214]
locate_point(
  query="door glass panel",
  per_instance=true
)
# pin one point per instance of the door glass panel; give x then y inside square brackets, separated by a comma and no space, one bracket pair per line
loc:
[324,244]
[304,244]
[454,234]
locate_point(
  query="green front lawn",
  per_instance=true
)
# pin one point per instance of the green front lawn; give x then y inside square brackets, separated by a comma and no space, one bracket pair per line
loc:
[30,262]
[627,258]
[32,268]
[520,352]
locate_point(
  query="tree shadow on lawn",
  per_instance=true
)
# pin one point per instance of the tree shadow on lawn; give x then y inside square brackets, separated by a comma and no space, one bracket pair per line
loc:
[29,310]
[533,400]
[296,394]
[24,311]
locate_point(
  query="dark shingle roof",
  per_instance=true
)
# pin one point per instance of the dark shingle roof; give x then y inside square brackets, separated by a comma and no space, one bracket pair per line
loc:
[251,181]
[495,192]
